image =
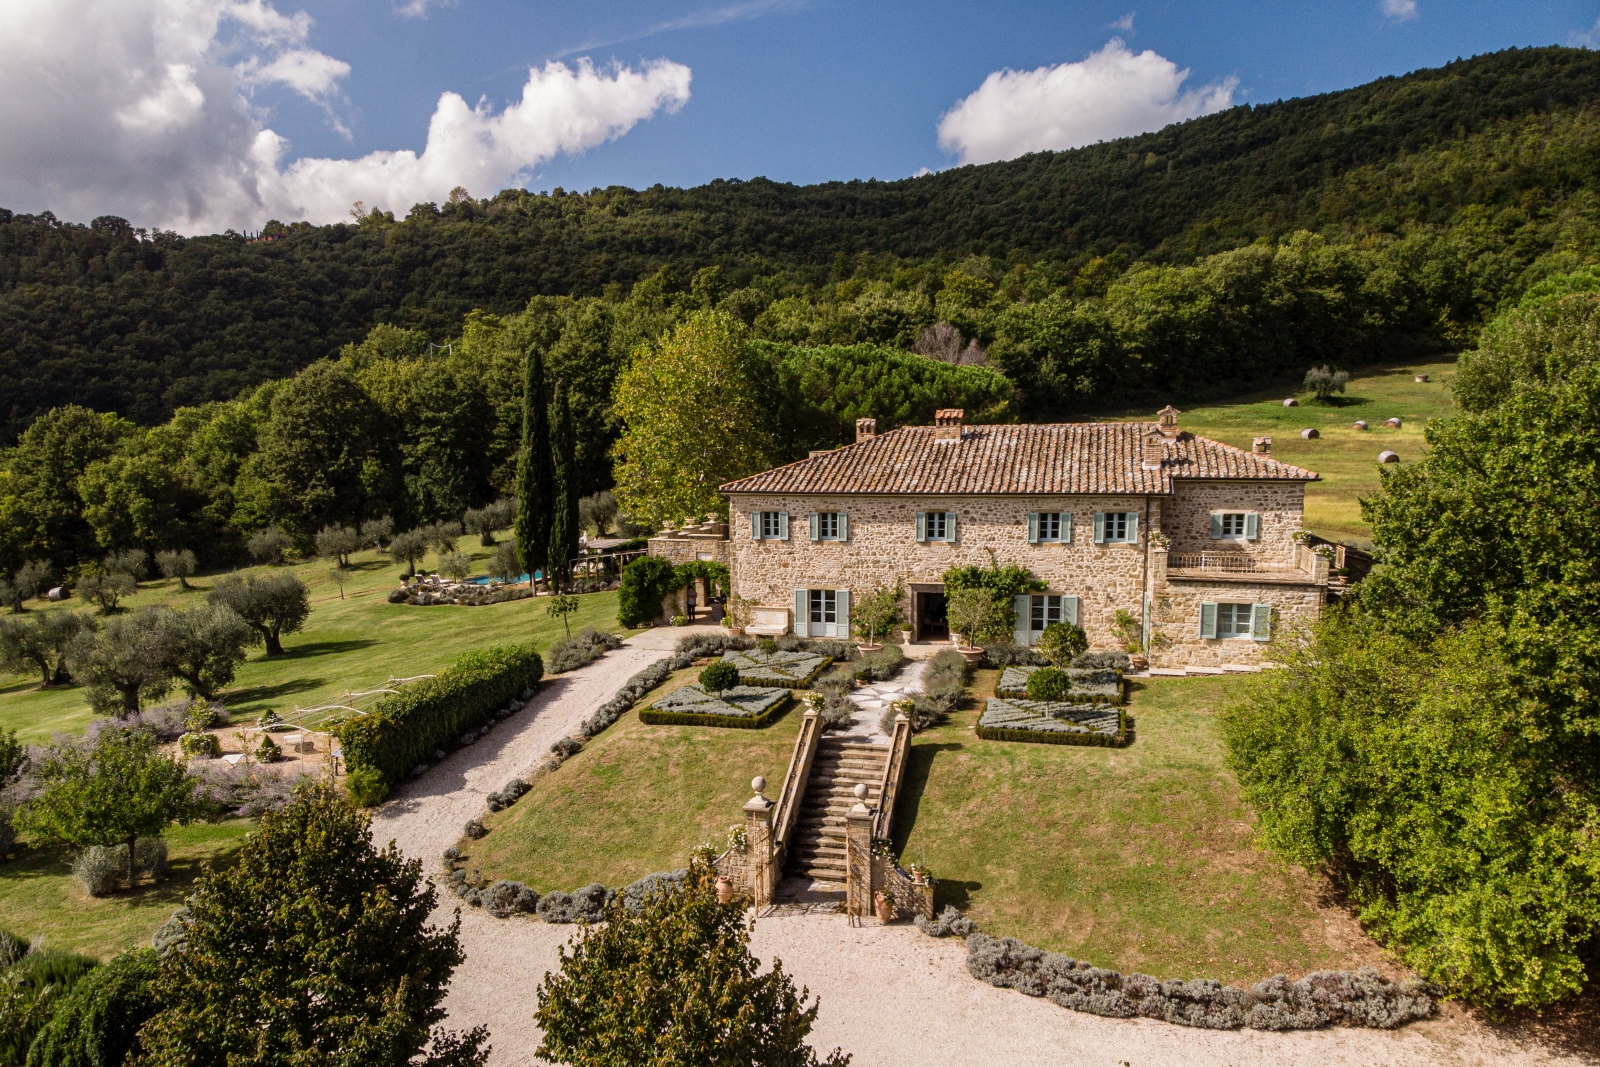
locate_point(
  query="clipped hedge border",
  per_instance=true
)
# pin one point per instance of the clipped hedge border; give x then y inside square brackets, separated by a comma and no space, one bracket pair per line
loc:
[404,731]
[651,717]
[753,675]
[1121,739]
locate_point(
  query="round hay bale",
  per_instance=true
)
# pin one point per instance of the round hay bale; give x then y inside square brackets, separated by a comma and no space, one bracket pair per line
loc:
[1393,424]
[1291,403]
[1359,424]
[1420,378]
[1388,457]
[1310,433]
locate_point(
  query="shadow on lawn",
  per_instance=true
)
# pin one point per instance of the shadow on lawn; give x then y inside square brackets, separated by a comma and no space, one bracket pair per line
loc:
[173,890]
[312,649]
[237,698]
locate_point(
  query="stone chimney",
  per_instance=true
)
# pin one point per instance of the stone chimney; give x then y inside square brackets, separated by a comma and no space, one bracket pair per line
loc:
[1169,421]
[1152,450]
[866,429]
[947,424]
[1262,446]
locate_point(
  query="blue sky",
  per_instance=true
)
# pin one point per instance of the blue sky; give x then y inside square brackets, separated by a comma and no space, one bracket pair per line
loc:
[808,92]
[198,115]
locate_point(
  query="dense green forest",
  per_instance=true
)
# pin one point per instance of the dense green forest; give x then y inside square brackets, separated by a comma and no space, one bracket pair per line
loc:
[1438,197]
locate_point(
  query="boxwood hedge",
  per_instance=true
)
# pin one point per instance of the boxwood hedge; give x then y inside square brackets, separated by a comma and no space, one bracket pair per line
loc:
[656,715]
[406,729]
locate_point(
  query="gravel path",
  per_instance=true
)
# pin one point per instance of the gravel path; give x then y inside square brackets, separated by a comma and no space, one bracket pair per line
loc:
[889,995]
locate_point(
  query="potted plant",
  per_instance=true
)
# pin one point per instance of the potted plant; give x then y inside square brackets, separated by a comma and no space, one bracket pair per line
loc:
[978,615]
[883,906]
[736,614]
[875,613]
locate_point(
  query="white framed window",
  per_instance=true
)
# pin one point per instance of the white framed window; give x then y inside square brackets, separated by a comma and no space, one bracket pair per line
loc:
[769,525]
[936,526]
[1235,524]
[829,526]
[1116,527]
[1232,620]
[824,608]
[822,612]
[1033,613]
[1049,527]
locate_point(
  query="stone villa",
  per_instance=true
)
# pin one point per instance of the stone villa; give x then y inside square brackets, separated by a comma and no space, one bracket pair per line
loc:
[1195,539]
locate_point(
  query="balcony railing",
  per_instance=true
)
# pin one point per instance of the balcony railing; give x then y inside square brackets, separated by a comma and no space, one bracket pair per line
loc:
[1227,562]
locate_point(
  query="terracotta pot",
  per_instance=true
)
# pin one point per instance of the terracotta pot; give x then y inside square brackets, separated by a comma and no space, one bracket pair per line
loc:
[1139,663]
[724,889]
[736,631]
[864,649]
[973,656]
[884,907]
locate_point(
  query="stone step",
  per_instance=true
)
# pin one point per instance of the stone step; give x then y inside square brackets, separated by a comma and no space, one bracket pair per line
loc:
[823,765]
[824,850]
[824,874]
[862,747]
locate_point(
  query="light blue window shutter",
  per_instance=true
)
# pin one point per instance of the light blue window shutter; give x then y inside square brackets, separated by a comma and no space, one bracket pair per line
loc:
[811,520]
[1066,527]
[1252,526]
[1216,526]
[1033,528]
[844,526]
[1020,624]
[1133,527]
[755,526]
[1261,622]
[1069,609]
[922,526]
[841,600]
[1099,527]
[949,526]
[1208,620]
[802,613]
[783,526]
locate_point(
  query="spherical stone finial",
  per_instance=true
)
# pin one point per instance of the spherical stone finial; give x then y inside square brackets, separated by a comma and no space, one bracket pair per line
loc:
[758,783]
[861,791]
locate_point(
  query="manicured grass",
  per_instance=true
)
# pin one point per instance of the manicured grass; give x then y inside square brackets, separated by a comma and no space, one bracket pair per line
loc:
[636,800]
[350,644]
[1138,859]
[40,897]
[1347,459]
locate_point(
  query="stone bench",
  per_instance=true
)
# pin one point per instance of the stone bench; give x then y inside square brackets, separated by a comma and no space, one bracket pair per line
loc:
[768,622]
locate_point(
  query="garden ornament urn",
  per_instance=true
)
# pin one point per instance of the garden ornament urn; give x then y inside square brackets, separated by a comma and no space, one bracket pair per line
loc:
[884,907]
[724,889]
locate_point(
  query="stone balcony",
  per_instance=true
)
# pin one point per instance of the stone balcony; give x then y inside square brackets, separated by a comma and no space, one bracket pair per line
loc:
[1307,568]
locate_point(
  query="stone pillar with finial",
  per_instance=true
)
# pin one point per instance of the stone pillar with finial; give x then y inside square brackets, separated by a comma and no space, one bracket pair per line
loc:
[758,835]
[858,857]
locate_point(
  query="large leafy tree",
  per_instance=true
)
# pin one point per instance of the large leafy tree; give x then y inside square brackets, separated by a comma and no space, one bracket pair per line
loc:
[271,606]
[314,447]
[697,413]
[43,512]
[313,948]
[121,788]
[535,473]
[674,983]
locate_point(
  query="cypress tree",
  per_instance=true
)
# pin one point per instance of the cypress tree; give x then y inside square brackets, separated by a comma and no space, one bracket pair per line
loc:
[535,491]
[564,510]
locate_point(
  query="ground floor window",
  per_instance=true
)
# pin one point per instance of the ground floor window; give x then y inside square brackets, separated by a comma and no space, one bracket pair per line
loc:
[1236,620]
[824,608]
[1046,609]
[1233,620]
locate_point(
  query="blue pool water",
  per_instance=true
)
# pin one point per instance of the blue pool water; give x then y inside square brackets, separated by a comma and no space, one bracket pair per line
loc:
[484,580]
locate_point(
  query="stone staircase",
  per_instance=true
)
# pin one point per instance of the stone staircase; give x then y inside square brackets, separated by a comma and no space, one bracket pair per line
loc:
[816,850]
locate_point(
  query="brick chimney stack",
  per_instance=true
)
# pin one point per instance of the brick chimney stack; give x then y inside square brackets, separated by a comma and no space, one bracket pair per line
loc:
[1152,450]
[866,429]
[1169,421]
[1262,446]
[947,424]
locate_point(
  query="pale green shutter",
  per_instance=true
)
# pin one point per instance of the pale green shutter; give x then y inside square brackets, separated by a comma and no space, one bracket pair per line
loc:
[1099,527]
[1020,624]
[755,526]
[1033,527]
[811,520]
[949,526]
[783,526]
[1069,609]
[802,613]
[1216,526]
[1252,526]
[1133,527]
[922,526]
[841,600]
[1261,622]
[844,526]
[1208,620]
[1066,527]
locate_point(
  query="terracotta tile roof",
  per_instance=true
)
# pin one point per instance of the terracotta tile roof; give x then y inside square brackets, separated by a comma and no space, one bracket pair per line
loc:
[1075,457]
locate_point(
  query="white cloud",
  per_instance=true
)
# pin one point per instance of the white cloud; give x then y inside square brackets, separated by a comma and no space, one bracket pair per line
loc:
[1400,10]
[1589,38]
[418,9]
[140,108]
[1125,23]
[1113,93]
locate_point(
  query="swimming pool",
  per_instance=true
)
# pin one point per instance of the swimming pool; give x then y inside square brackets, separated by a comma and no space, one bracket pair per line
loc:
[484,579]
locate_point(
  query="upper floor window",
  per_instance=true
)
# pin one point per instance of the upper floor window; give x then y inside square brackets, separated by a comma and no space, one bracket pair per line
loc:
[1049,527]
[769,525]
[829,526]
[1116,527]
[936,526]
[1226,524]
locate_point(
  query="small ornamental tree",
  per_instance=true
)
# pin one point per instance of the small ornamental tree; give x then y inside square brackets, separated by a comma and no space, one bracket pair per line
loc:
[121,789]
[1048,683]
[979,615]
[504,565]
[1323,382]
[1060,642]
[455,565]
[106,590]
[409,547]
[272,606]
[313,948]
[876,612]
[179,564]
[563,606]
[338,542]
[719,677]
[675,983]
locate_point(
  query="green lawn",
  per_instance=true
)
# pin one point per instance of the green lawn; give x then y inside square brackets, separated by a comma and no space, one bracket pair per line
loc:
[634,801]
[349,644]
[1135,859]
[40,897]
[1347,459]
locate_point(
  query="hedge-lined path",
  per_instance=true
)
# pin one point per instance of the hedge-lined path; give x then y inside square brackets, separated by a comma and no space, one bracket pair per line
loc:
[889,995]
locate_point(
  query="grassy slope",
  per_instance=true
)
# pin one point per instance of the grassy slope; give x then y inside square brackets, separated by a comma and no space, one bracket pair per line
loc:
[1135,859]
[39,896]
[350,644]
[636,800]
[1347,459]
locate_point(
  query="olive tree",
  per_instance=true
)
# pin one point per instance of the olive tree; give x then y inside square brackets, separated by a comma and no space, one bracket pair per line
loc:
[271,606]
[597,511]
[134,562]
[124,664]
[375,532]
[106,590]
[409,547]
[178,563]
[204,646]
[269,545]
[41,643]
[33,578]
[504,565]
[337,542]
